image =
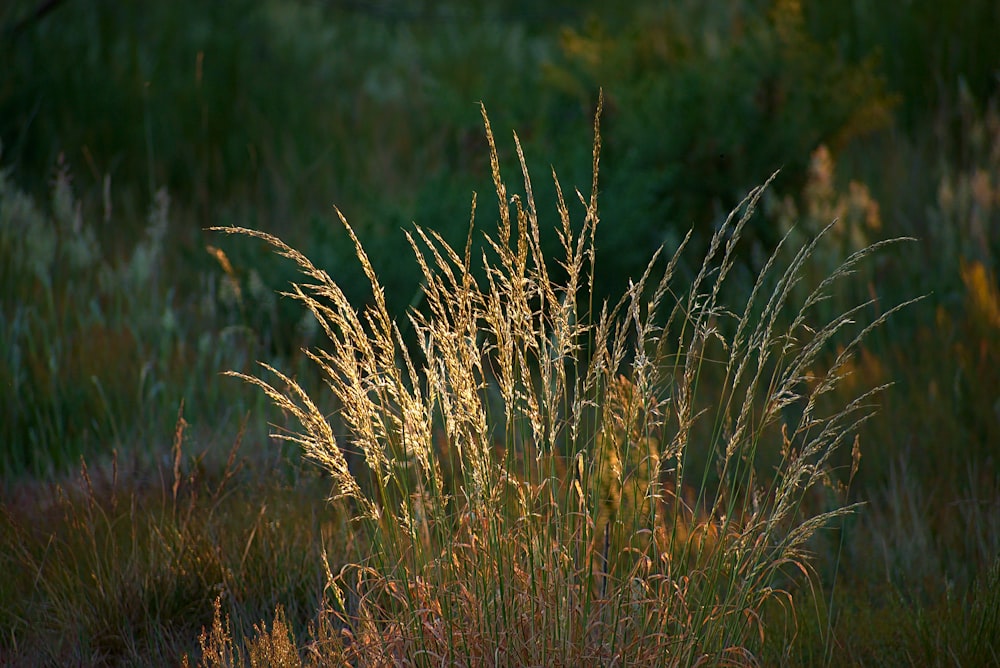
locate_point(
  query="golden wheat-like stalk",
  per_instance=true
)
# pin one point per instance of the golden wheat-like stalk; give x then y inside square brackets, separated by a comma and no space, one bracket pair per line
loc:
[526,486]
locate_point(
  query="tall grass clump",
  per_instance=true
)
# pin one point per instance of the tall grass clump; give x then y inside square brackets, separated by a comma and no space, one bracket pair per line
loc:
[545,480]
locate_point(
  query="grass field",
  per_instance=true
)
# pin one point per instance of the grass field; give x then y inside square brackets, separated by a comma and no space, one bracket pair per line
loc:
[705,379]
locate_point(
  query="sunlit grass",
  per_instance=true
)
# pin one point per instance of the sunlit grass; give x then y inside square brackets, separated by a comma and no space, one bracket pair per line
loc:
[521,474]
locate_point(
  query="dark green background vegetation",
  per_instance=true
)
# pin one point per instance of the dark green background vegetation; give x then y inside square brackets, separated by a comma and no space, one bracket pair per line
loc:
[128,128]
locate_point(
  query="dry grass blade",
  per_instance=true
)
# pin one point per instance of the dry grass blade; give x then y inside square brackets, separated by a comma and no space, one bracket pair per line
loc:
[526,486]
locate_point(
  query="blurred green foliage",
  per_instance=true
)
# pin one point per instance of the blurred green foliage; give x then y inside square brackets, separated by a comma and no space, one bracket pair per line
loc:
[264,113]
[923,48]
[97,351]
[704,106]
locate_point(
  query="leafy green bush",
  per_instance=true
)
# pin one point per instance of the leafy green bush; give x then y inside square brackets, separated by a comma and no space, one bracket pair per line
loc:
[923,48]
[704,99]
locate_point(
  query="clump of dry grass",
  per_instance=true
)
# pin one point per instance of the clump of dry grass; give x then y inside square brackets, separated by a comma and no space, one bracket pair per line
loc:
[119,564]
[526,474]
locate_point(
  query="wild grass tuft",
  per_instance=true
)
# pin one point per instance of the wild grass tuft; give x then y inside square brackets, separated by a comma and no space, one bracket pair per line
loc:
[120,565]
[542,479]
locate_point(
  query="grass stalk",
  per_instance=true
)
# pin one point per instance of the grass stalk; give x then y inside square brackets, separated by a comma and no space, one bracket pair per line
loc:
[540,482]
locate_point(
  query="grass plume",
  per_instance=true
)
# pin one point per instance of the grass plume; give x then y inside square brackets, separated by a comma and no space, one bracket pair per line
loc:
[542,480]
